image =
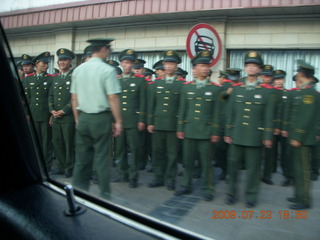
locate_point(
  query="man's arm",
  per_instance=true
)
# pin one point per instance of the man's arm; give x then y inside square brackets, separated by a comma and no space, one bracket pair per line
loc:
[114,103]
[74,102]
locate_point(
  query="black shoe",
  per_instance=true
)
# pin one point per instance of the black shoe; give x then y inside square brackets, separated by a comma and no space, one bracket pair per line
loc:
[267,181]
[250,204]
[314,177]
[182,191]
[133,183]
[291,199]
[154,184]
[120,180]
[230,200]
[298,206]
[287,182]
[171,186]
[207,197]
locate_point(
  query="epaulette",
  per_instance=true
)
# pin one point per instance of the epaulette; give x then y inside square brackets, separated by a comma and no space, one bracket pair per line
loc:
[50,75]
[266,86]
[227,80]
[277,88]
[158,78]
[188,82]
[182,79]
[216,84]
[30,74]
[56,74]
[237,84]
[139,75]
[292,89]
[152,82]
[148,79]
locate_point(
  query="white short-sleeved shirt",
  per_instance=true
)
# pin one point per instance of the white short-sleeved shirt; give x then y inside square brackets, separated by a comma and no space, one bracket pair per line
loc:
[92,81]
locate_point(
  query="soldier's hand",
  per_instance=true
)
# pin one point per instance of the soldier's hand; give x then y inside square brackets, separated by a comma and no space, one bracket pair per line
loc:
[215,139]
[141,126]
[150,128]
[116,129]
[180,135]
[276,131]
[228,139]
[285,133]
[295,143]
[229,91]
[267,143]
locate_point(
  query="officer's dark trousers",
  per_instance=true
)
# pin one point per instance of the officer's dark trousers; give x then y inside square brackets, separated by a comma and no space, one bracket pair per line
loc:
[129,139]
[93,143]
[165,156]
[252,157]
[44,134]
[204,148]
[63,135]
[301,172]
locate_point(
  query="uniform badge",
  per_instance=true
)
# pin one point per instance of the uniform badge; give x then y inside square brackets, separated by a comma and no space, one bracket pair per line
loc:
[205,54]
[56,83]
[257,96]
[68,83]
[159,87]
[24,56]
[190,92]
[61,51]
[31,83]
[308,99]
[132,84]
[284,97]
[252,54]
[208,93]
[169,53]
[45,83]
[240,95]
[130,51]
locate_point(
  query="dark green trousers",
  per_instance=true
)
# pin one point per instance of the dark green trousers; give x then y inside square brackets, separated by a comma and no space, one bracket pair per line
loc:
[144,148]
[270,158]
[128,141]
[315,158]
[63,138]
[165,156]
[204,149]
[301,173]
[93,143]
[44,134]
[252,157]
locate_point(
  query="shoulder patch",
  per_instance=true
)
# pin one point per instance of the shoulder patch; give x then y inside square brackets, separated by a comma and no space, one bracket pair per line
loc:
[57,74]
[50,75]
[148,79]
[187,82]
[216,84]
[266,86]
[237,84]
[151,82]
[159,78]
[277,88]
[139,75]
[227,80]
[30,74]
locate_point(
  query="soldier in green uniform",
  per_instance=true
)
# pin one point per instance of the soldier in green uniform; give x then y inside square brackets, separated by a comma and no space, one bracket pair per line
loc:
[96,108]
[114,64]
[27,64]
[163,103]
[37,86]
[138,67]
[148,73]
[198,125]
[63,125]
[159,69]
[304,125]
[249,126]
[133,111]
[266,74]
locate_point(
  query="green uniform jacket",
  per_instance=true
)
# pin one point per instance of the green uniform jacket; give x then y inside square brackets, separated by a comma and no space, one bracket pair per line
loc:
[163,104]
[37,93]
[199,113]
[133,100]
[304,115]
[250,115]
[60,97]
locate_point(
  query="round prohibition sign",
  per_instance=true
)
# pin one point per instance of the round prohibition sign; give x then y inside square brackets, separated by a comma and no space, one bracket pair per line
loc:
[204,37]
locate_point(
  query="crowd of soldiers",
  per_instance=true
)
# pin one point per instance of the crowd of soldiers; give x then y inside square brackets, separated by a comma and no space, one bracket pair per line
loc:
[232,122]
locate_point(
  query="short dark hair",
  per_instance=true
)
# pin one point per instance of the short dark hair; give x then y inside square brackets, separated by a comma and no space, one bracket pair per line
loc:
[98,48]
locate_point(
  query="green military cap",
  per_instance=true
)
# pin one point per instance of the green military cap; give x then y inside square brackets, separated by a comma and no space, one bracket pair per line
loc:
[112,63]
[100,42]
[315,79]
[64,53]
[158,65]
[253,57]
[19,65]
[294,78]
[148,71]
[180,71]
[267,70]
[138,63]
[305,67]
[277,74]
[185,73]
[204,56]
[233,74]
[43,57]
[119,71]
[171,56]
[88,51]
[26,59]
[128,54]
[222,74]
[56,70]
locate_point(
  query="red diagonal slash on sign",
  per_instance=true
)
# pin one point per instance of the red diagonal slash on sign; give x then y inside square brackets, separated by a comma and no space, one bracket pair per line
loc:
[196,32]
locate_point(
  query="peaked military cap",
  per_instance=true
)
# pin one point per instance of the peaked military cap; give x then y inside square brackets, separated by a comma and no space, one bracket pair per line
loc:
[222,74]
[112,63]
[204,56]
[119,71]
[88,51]
[185,73]
[100,42]
[128,54]
[267,70]
[43,57]
[56,70]
[148,71]
[305,67]
[233,74]
[277,74]
[64,53]
[294,78]
[138,63]
[171,56]
[315,79]
[253,57]
[180,71]
[19,65]
[26,59]
[158,65]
